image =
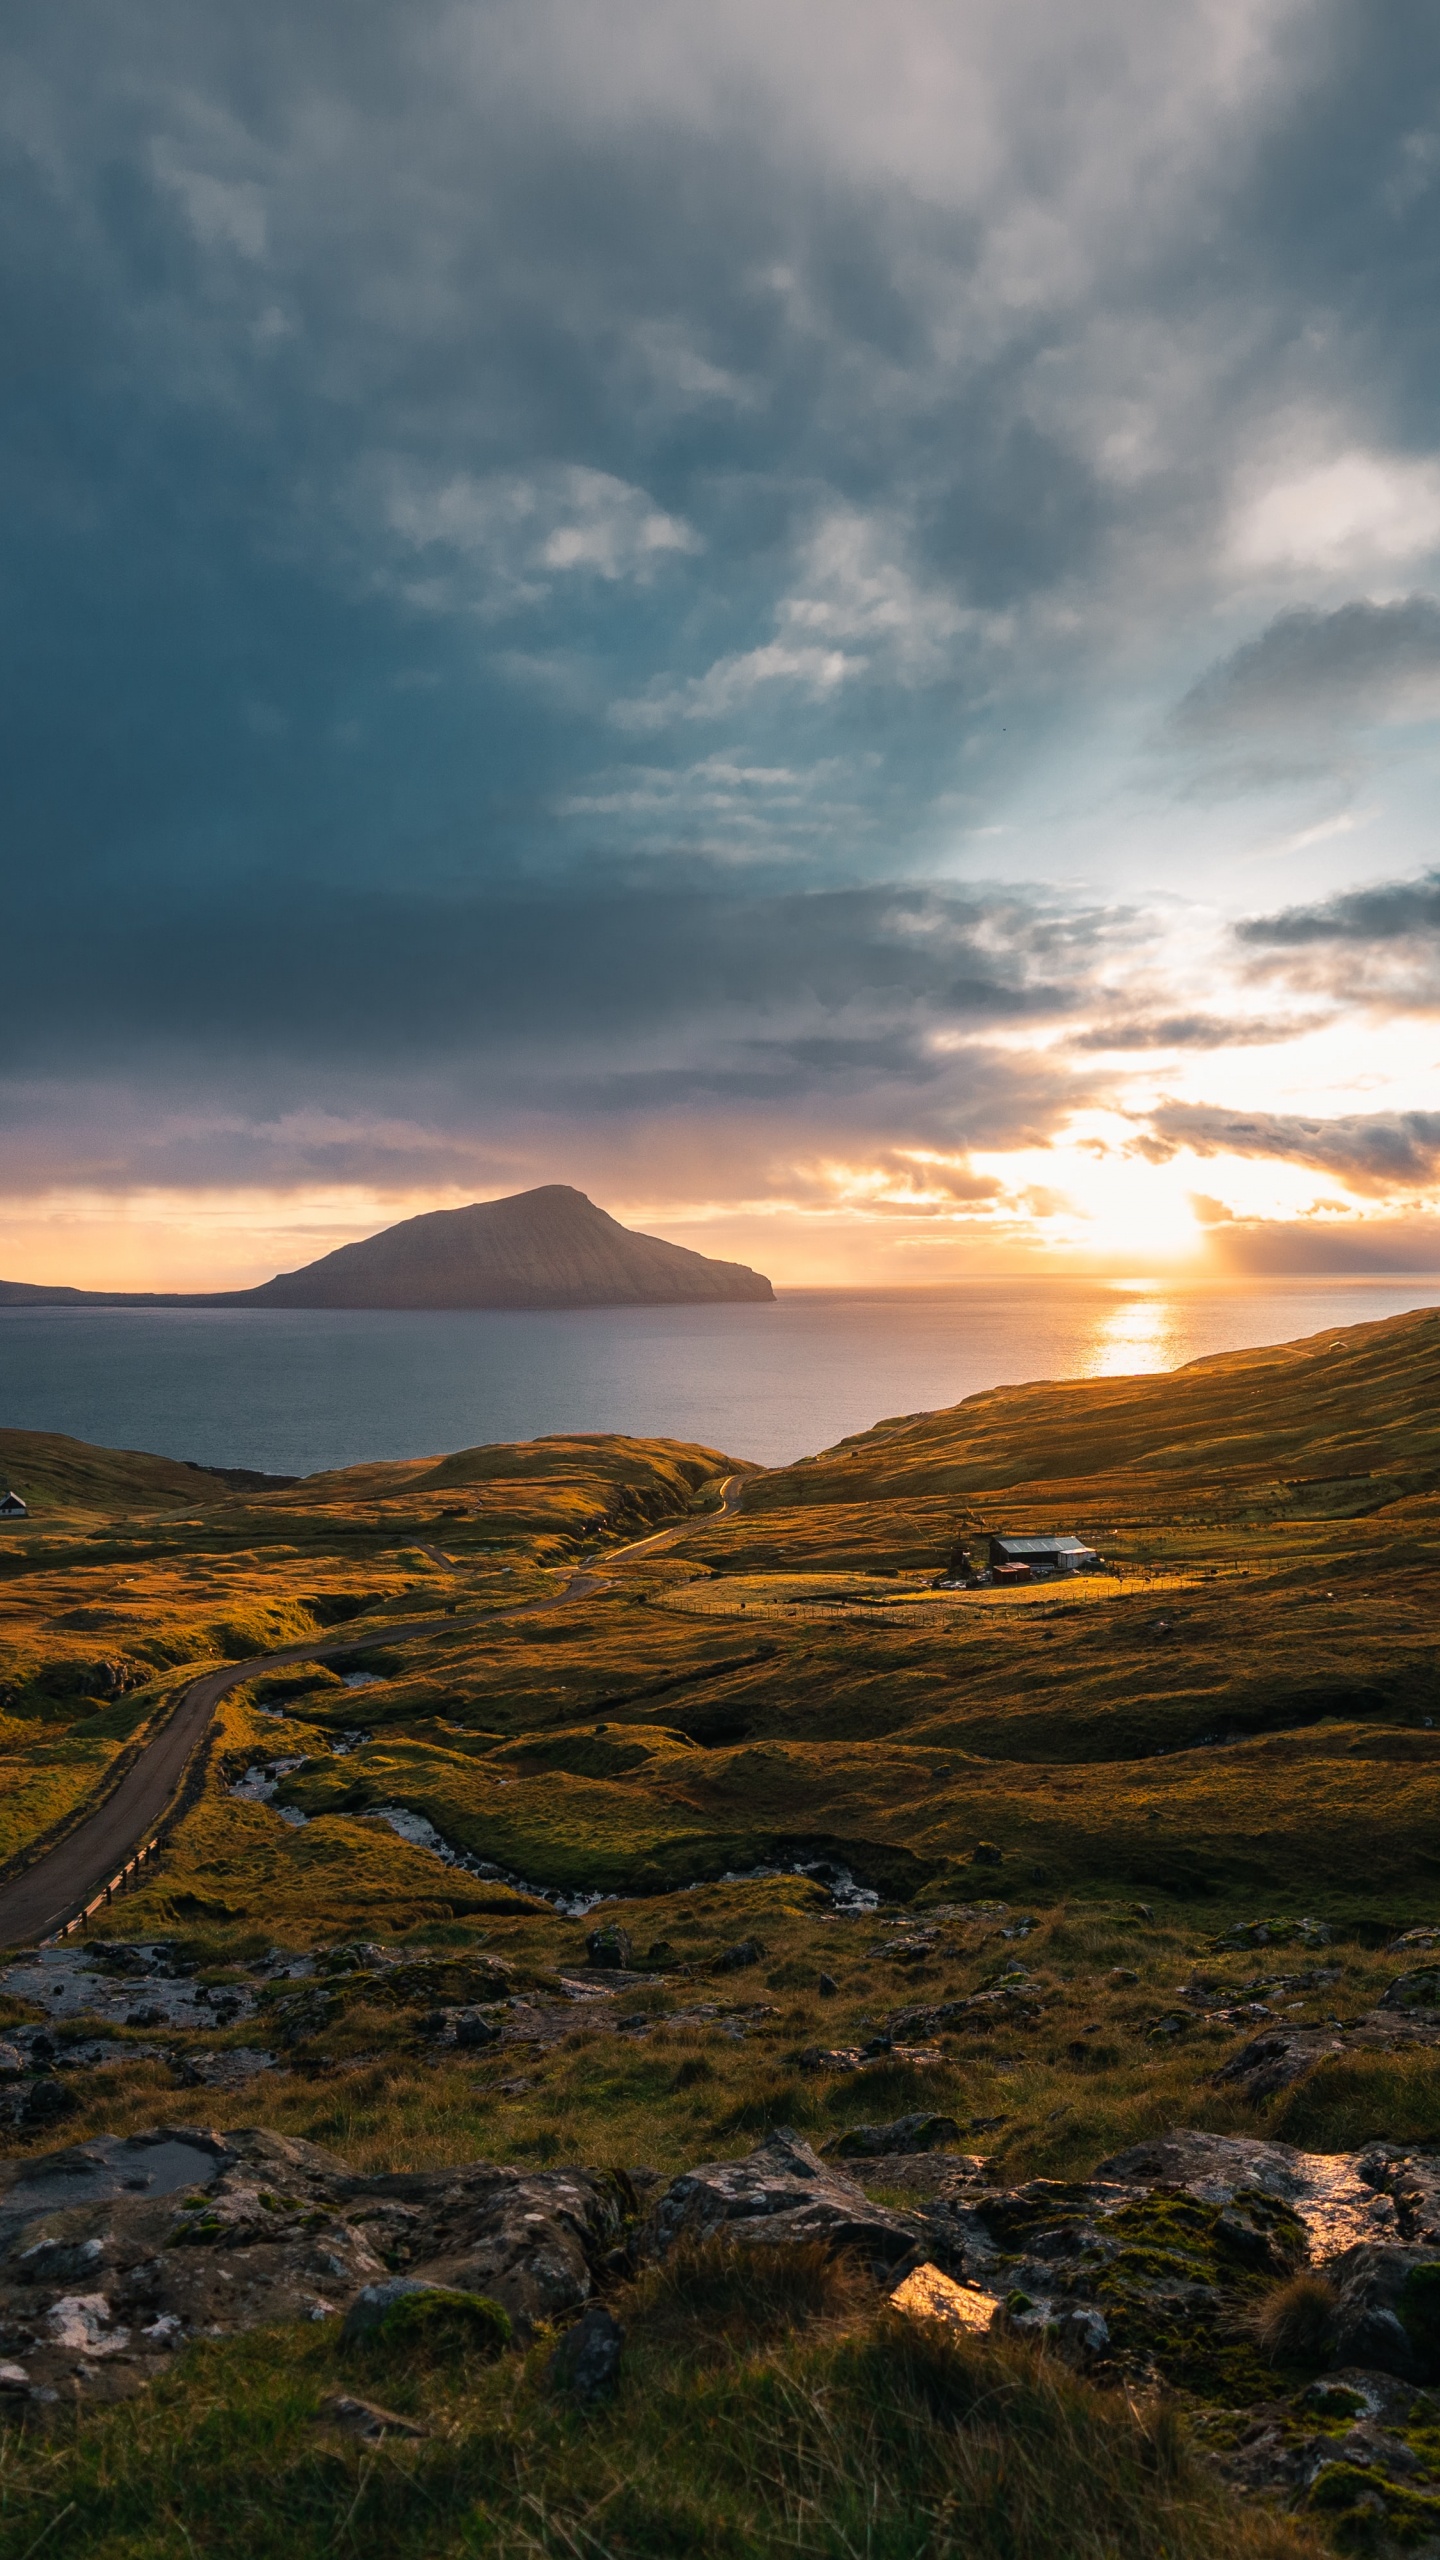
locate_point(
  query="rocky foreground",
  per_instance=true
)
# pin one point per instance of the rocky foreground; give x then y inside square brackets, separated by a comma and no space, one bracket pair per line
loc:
[1291,2299]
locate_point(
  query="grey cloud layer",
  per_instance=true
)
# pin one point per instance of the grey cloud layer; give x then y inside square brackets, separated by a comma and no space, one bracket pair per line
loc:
[524,523]
[1377,1151]
[1309,670]
[1394,911]
[871,1014]
[1376,948]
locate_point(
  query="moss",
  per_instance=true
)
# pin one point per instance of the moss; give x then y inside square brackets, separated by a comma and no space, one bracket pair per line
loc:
[437,2326]
[1332,2401]
[1370,2512]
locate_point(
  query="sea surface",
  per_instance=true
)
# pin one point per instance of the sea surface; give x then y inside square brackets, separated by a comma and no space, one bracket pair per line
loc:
[292,1390]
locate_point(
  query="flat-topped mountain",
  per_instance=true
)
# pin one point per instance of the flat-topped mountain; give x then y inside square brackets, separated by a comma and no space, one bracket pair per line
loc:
[545,1248]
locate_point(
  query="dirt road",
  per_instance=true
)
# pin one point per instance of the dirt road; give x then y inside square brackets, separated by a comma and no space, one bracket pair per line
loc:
[64,1879]
[33,1905]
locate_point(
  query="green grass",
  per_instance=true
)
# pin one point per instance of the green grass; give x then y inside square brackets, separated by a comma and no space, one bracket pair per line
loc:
[1151,1766]
[829,2429]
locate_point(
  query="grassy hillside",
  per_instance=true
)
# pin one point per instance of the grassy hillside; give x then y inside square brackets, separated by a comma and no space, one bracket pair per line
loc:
[63,1479]
[1344,1418]
[1101,1823]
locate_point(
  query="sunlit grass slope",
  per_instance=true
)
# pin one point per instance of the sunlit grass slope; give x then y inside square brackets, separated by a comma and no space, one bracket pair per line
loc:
[60,1478]
[1337,1423]
[550,1493]
[130,1571]
[1065,1808]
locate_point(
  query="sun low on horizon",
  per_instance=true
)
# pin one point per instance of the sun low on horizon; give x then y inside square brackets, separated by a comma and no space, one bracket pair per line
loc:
[876,707]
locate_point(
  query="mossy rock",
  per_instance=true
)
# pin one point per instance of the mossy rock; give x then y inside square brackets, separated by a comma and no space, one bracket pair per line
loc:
[406,2322]
[1185,2273]
[1372,2513]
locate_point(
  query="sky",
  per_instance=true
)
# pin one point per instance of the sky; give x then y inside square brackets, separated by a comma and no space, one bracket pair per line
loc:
[822,620]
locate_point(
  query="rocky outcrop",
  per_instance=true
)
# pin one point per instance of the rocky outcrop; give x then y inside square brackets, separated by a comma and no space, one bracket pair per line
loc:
[1281,2054]
[1162,2268]
[783,2193]
[902,2133]
[114,2253]
[1387,2302]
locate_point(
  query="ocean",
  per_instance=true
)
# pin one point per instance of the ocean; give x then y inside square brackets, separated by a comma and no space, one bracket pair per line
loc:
[294,1391]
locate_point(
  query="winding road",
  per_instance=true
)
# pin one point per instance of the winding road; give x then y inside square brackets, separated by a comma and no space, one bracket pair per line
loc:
[67,1877]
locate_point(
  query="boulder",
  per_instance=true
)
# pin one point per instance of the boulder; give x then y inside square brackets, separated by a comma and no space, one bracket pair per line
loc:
[532,2243]
[374,2303]
[927,2293]
[158,2238]
[905,2133]
[739,1958]
[407,2317]
[1273,2060]
[1419,1990]
[1011,2005]
[609,1949]
[1387,2313]
[783,2192]
[1275,1933]
[587,2361]
[469,2029]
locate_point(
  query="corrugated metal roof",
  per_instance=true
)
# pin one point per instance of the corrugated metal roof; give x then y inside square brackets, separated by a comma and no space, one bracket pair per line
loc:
[1044,1546]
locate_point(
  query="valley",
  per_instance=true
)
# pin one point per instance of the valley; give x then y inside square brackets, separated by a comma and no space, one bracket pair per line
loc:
[618,1802]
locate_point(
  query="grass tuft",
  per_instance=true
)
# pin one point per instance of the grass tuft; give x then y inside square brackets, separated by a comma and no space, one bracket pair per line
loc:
[1294,2323]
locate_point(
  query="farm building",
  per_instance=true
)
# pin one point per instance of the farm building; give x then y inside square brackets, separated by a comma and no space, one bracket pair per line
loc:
[12,1508]
[1011,1556]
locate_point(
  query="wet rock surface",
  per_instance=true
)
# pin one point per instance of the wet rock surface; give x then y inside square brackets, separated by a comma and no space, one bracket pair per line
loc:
[115,2253]
[1159,2270]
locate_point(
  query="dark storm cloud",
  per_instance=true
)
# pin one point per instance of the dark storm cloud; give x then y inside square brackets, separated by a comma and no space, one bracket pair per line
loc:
[1378,947]
[1377,1151]
[378,978]
[439,1040]
[1189,1031]
[381,1027]
[518,518]
[1394,911]
[1308,670]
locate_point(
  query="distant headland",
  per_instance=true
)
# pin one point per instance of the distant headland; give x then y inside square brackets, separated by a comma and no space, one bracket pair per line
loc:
[546,1248]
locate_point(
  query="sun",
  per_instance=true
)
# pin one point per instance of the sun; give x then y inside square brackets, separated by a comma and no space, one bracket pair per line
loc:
[1092,1196]
[1127,1211]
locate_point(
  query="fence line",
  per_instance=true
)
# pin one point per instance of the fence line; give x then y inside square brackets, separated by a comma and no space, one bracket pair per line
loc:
[98,1901]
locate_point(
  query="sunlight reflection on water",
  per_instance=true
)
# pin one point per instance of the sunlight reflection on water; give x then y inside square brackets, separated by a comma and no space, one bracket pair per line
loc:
[1143,1332]
[294,1390]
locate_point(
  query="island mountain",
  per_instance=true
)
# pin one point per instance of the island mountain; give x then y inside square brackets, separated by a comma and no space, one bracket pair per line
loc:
[545,1248]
